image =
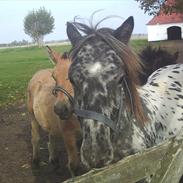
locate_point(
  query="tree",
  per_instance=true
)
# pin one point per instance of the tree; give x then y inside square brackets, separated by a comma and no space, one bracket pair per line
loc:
[38,23]
[152,7]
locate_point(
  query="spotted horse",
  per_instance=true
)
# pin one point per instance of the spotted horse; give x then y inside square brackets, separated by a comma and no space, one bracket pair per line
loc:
[118,116]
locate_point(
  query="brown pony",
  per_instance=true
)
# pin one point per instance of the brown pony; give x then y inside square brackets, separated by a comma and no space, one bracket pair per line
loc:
[50,112]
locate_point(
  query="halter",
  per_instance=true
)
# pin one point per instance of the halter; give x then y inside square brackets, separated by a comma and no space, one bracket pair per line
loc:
[85,113]
[103,118]
[59,88]
[92,114]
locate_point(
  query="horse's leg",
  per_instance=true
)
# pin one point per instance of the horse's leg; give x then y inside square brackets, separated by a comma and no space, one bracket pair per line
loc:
[35,142]
[53,151]
[72,151]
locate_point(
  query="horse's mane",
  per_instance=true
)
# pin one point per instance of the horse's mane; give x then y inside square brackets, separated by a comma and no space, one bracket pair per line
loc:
[154,58]
[132,65]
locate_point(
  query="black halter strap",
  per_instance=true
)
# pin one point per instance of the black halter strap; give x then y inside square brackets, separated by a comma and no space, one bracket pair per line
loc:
[95,116]
[100,117]
[61,89]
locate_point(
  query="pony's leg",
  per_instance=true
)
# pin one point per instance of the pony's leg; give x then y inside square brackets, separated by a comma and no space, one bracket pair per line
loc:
[53,151]
[35,142]
[70,141]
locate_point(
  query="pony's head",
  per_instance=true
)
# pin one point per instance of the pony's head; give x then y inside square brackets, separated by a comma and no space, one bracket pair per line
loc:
[103,73]
[63,89]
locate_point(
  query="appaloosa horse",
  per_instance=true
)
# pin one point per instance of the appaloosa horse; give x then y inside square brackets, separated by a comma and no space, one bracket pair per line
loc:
[118,117]
[54,114]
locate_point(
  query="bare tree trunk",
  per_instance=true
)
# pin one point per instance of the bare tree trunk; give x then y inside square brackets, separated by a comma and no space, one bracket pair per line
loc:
[40,41]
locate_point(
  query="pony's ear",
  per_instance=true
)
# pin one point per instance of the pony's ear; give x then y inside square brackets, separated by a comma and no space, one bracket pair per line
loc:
[54,56]
[73,34]
[124,32]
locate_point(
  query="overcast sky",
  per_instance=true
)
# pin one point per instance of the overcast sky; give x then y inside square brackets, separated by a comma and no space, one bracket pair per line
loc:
[12,14]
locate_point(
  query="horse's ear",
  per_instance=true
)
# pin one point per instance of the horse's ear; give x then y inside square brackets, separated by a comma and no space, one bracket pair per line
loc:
[65,55]
[124,32]
[73,34]
[52,54]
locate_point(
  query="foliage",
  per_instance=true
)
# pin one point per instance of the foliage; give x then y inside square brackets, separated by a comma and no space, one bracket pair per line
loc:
[38,23]
[152,7]
[15,43]
[138,44]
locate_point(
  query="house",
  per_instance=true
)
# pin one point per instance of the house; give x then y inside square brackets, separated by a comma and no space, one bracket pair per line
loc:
[165,27]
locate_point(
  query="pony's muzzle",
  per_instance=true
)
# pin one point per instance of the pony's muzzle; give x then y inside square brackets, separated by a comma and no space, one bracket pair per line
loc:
[63,110]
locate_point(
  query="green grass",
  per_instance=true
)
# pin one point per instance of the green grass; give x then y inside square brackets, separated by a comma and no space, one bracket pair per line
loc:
[17,65]
[138,44]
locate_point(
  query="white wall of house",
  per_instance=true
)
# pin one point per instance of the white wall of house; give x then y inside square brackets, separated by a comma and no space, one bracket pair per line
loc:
[159,32]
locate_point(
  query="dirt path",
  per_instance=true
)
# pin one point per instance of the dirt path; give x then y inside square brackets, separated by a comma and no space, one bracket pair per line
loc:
[16,151]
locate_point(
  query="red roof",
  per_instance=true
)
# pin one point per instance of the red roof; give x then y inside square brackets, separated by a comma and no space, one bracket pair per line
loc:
[167,18]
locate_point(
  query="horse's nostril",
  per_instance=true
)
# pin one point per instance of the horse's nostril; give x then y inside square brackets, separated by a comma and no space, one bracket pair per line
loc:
[56,109]
[64,110]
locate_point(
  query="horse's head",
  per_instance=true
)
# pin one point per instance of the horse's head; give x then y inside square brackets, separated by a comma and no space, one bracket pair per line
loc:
[63,89]
[97,73]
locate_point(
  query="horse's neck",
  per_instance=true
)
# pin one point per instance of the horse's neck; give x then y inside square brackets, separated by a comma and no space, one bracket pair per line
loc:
[152,107]
[130,136]
[134,135]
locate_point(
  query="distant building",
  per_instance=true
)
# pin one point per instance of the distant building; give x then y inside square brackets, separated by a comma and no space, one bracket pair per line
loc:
[165,27]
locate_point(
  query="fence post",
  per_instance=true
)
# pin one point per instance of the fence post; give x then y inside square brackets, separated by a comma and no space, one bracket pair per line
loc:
[171,168]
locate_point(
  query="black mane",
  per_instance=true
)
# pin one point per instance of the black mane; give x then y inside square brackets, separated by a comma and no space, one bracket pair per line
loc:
[154,58]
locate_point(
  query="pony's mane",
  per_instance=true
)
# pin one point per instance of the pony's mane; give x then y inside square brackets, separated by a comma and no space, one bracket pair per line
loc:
[130,60]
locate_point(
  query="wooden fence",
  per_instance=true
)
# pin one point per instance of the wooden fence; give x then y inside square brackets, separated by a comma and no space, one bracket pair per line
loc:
[163,163]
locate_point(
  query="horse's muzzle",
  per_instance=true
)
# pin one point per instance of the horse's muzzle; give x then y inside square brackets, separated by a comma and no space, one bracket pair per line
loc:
[63,110]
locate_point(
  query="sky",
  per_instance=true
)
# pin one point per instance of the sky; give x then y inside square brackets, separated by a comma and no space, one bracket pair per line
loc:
[13,12]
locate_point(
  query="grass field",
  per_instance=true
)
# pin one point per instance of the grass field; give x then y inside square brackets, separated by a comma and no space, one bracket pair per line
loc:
[17,65]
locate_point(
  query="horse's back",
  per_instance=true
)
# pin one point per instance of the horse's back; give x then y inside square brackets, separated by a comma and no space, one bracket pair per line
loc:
[163,96]
[174,72]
